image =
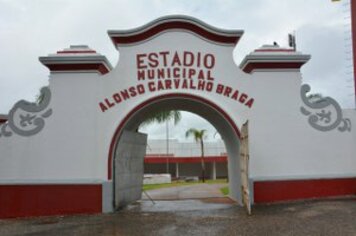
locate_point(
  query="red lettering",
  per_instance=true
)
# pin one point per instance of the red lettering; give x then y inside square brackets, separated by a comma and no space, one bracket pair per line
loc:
[141,75]
[108,103]
[151,74]
[242,98]
[191,73]
[102,107]
[235,95]
[160,73]
[140,61]
[219,89]
[209,75]
[160,85]
[184,73]
[116,97]
[132,91]
[185,84]
[151,86]
[176,60]
[201,85]
[191,84]
[176,83]
[209,86]
[176,73]
[153,59]
[186,57]
[168,84]
[164,55]
[141,89]
[249,103]
[227,91]
[198,60]
[201,74]
[125,94]
[209,61]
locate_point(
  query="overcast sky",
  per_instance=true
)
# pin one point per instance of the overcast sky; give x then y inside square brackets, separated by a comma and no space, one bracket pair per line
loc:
[33,28]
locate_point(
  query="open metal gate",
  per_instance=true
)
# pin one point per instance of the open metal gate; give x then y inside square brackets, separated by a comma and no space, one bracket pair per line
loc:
[128,164]
[244,162]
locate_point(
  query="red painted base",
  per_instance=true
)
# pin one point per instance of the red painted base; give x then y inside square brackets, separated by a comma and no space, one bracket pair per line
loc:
[287,190]
[45,200]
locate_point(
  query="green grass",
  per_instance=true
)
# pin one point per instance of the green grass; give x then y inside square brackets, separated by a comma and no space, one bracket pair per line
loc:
[225,190]
[181,183]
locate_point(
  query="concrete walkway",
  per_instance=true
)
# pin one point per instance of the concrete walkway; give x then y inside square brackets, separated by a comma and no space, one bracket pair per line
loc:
[194,191]
[196,217]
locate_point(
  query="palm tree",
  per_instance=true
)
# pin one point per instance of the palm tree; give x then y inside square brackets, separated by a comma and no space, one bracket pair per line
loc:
[199,136]
[163,116]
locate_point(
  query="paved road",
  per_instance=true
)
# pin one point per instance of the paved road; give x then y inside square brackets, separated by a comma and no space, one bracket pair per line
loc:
[195,191]
[196,217]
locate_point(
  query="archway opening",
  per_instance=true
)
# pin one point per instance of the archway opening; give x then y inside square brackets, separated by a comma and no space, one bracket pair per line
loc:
[208,110]
[176,142]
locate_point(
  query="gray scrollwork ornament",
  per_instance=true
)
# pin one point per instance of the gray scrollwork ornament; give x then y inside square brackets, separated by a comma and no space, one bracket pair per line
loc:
[26,118]
[324,114]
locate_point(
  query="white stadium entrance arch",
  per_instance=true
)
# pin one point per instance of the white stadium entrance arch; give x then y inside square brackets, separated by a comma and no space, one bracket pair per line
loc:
[185,102]
[78,151]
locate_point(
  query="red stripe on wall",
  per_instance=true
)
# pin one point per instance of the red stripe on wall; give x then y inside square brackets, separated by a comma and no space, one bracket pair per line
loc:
[286,190]
[275,50]
[78,67]
[45,200]
[271,65]
[162,160]
[76,51]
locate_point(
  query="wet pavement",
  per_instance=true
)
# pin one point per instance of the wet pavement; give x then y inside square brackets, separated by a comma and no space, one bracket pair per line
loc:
[199,217]
[195,191]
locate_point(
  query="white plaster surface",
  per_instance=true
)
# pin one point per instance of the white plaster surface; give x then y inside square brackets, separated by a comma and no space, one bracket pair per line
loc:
[75,141]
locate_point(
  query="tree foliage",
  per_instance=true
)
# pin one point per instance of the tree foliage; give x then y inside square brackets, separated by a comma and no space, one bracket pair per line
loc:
[162,117]
[198,136]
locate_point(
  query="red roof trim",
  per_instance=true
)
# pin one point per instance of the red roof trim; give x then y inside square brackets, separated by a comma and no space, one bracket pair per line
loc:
[141,36]
[250,66]
[100,67]
[275,50]
[76,51]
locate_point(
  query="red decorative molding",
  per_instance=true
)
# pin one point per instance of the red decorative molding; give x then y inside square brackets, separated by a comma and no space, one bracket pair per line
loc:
[195,159]
[181,25]
[49,199]
[78,67]
[76,51]
[153,100]
[288,190]
[251,66]
[275,50]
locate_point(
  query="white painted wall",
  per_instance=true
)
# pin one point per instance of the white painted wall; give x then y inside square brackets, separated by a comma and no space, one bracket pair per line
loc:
[74,144]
